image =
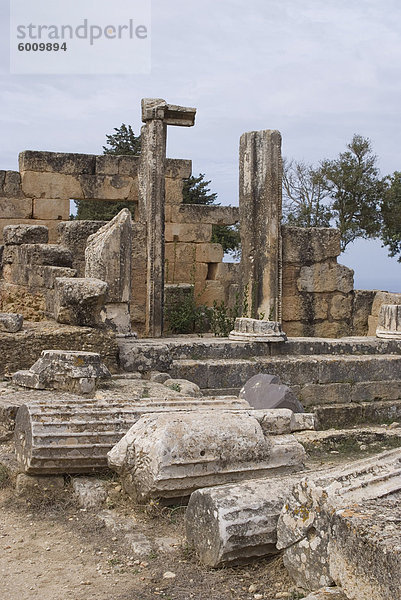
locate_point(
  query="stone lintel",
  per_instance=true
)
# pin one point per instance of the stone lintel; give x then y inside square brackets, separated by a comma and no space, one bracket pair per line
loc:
[170,114]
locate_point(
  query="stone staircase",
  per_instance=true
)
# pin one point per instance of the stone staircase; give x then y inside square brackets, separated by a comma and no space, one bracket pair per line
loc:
[342,380]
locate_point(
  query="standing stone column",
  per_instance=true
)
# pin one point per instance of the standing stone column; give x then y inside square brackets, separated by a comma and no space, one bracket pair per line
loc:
[156,114]
[260,198]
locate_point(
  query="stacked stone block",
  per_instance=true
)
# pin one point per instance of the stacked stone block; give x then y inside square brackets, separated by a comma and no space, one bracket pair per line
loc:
[317,292]
[30,268]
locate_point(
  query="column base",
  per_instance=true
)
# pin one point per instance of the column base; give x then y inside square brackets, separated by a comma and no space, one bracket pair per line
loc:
[255,330]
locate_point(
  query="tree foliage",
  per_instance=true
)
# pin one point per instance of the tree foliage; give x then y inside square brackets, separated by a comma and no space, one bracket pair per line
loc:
[123,141]
[304,196]
[391,215]
[345,192]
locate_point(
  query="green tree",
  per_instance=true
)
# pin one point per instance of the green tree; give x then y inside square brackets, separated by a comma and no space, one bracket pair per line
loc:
[346,192]
[391,215]
[305,198]
[196,191]
[123,141]
[356,190]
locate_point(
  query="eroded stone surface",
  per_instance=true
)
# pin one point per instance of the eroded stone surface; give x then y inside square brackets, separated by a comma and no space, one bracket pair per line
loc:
[25,234]
[389,324]
[79,301]
[171,455]
[75,372]
[11,322]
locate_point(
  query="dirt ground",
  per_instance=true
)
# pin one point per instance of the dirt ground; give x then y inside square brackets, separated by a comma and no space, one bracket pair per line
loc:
[57,551]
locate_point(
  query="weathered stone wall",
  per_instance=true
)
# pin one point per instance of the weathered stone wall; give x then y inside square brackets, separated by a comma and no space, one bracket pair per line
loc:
[317,292]
[40,194]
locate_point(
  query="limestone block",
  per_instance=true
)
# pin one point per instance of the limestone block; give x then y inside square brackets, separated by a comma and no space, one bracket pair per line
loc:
[208,292]
[51,226]
[227,272]
[43,254]
[181,232]
[18,299]
[341,307]
[178,168]
[199,213]
[389,322]
[290,276]
[25,234]
[306,246]
[90,492]
[11,322]
[127,165]
[209,253]
[296,328]
[186,272]
[49,208]
[361,309]
[15,208]
[51,185]
[62,370]
[74,235]
[57,162]
[372,325]
[173,193]
[304,526]
[79,301]
[37,487]
[184,386]
[36,276]
[326,277]
[384,298]
[180,253]
[171,455]
[11,185]
[364,549]
[108,256]
[305,307]
[116,317]
[328,329]
[265,391]
[106,187]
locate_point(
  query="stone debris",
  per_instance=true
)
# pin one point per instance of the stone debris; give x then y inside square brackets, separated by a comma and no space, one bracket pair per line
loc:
[266,391]
[74,435]
[11,322]
[304,526]
[171,455]
[184,386]
[15,235]
[79,301]
[36,487]
[389,324]
[90,492]
[257,330]
[71,371]
[108,258]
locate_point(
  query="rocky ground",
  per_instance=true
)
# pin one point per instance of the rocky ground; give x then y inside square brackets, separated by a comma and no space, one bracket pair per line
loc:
[53,550]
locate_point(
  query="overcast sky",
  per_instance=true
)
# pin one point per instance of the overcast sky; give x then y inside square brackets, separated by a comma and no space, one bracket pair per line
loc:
[317,70]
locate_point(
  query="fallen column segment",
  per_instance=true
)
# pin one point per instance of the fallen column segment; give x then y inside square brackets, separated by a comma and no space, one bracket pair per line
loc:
[171,455]
[74,436]
[304,526]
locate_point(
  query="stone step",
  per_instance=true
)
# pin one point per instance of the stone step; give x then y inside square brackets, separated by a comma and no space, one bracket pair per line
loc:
[321,370]
[158,355]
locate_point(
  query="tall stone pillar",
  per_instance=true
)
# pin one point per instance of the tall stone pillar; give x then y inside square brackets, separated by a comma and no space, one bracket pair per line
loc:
[156,114]
[260,198]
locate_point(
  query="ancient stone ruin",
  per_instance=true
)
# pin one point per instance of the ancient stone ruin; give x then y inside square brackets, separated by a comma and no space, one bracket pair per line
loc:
[282,439]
